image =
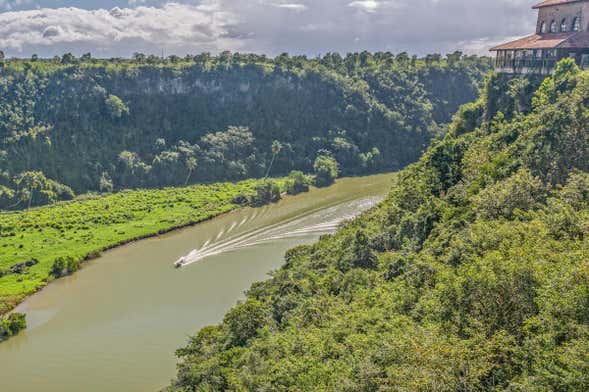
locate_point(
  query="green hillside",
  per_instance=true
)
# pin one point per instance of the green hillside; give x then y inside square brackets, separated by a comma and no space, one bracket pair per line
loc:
[69,126]
[472,276]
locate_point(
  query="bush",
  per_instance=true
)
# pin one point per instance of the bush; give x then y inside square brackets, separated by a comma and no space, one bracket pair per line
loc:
[63,266]
[326,170]
[268,192]
[12,325]
[297,183]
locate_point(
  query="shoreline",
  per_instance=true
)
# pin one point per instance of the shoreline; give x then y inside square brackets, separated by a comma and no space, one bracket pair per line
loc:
[97,254]
[14,301]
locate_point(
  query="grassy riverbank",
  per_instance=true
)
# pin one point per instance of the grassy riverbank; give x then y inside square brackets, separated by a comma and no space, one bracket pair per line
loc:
[31,241]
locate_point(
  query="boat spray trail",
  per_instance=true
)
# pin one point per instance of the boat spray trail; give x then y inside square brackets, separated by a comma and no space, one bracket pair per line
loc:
[329,220]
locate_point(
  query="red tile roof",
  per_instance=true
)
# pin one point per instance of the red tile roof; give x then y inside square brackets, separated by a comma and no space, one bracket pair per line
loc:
[549,3]
[548,41]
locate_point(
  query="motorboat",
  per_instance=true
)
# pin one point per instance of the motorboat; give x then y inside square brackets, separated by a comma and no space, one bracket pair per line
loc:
[180,262]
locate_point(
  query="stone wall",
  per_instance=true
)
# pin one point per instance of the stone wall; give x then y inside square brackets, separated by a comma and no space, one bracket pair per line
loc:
[568,11]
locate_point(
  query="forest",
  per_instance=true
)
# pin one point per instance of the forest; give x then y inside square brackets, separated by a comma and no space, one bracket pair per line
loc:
[473,275]
[69,126]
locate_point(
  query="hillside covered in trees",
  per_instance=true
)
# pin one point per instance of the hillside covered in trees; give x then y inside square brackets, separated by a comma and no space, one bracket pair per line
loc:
[473,275]
[70,126]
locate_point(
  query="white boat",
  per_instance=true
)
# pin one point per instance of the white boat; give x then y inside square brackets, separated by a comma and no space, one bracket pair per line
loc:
[180,262]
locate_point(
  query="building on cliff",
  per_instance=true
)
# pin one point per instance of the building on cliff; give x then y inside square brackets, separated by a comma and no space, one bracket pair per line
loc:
[562,31]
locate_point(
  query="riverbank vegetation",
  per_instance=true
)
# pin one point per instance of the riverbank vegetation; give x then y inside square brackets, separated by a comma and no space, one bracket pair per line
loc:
[45,243]
[76,125]
[473,275]
[11,325]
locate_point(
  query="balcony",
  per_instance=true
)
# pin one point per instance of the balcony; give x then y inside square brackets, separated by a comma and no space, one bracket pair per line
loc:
[526,66]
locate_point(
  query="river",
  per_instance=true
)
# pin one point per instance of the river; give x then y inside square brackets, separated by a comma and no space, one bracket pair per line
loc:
[114,325]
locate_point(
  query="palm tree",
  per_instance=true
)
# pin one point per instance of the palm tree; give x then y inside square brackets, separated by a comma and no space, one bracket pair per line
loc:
[191,166]
[276,148]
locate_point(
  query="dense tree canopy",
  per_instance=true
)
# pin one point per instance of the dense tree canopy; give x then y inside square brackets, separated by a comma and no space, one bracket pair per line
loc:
[104,125]
[473,275]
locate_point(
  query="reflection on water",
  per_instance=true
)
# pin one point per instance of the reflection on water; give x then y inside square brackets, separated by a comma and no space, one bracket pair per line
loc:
[114,326]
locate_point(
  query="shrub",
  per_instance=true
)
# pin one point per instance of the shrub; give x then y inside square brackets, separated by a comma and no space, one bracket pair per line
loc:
[63,266]
[12,325]
[326,170]
[297,183]
[268,192]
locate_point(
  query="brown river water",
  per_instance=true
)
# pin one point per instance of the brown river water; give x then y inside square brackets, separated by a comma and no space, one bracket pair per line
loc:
[114,326]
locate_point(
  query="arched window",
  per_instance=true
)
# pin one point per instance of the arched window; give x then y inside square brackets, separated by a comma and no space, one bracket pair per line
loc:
[577,24]
[543,28]
[563,26]
[553,26]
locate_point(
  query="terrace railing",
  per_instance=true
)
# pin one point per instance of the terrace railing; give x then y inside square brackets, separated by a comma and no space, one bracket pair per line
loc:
[527,65]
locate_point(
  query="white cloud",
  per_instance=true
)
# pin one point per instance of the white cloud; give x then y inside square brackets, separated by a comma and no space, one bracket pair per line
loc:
[416,26]
[291,6]
[268,26]
[121,30]
[366,5]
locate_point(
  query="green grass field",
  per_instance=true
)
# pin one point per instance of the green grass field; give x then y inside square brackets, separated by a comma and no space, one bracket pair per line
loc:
[85,227]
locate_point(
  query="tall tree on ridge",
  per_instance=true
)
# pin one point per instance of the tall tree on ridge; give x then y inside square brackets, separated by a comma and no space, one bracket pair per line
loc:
[276,148]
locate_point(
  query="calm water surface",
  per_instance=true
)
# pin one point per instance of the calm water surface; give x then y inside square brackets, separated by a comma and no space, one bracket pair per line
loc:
[114,325]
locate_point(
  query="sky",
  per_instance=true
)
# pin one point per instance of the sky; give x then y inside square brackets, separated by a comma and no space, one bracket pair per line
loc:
[119,28]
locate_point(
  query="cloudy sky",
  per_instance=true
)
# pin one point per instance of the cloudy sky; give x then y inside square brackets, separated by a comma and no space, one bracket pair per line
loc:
[110,28]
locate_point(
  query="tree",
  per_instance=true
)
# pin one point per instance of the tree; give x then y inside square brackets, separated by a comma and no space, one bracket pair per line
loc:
[105,184]
[520,191]
[244,320]
[63,266]
[191,165]
[359,254]
[347,154]
[6,196]
[28,183]
[276,148]
[228,154]
[12,325]
[133,170]
[454,58]
[116,107]
[68,58]
[34,188]
[326,170]
[139,57]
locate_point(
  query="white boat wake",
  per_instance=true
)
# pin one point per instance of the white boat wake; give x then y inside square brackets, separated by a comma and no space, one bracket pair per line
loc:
[306,225]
